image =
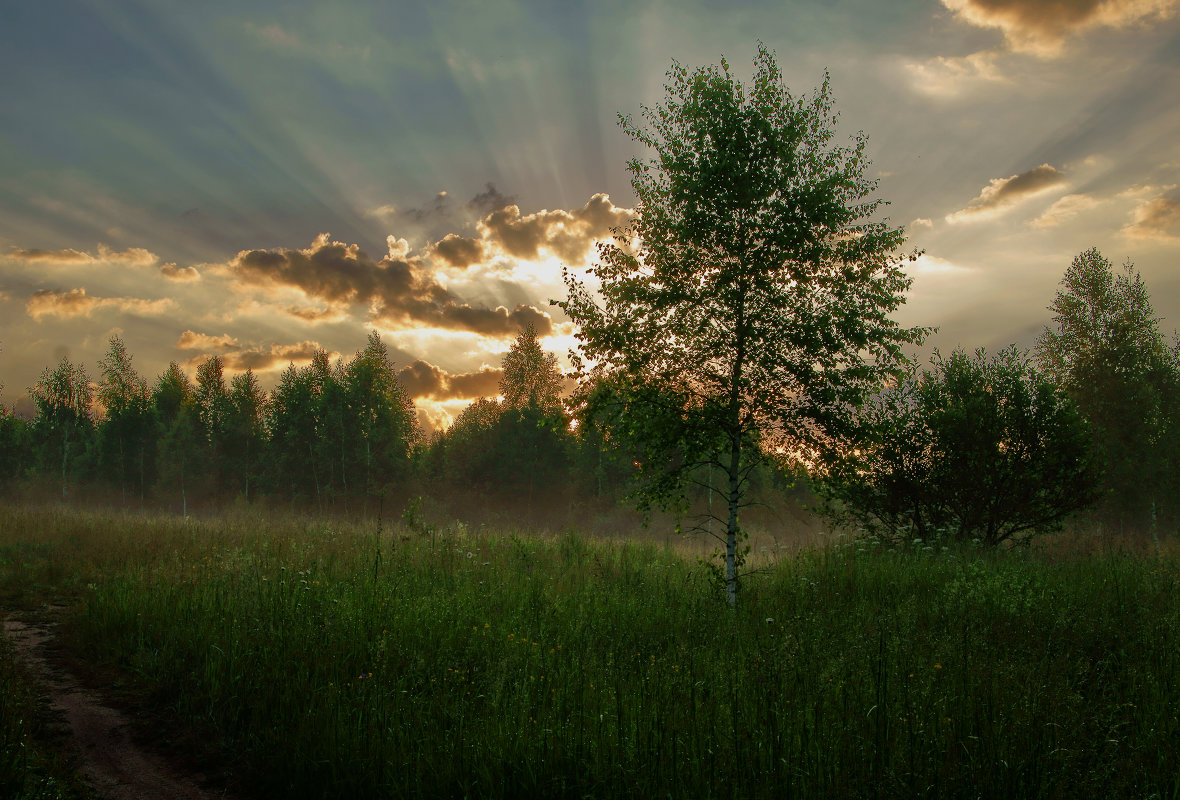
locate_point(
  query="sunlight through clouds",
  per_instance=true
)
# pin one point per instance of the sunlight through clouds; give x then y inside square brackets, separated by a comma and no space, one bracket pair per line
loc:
[462,156]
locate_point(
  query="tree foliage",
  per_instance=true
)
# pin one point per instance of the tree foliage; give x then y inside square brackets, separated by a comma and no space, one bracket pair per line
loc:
[126,436]
[380,424]
[65,417]
[531,376]
[1105,348]
[745,310]
[979,447]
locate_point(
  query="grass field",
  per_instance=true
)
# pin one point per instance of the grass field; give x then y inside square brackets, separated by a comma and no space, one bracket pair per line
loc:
[318,660]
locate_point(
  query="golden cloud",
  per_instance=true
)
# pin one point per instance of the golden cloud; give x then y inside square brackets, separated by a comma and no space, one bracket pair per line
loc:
[398,289]
[76,303]
[240,358]
[569,235]
[1003,193]
[191,340]
[170,270]
[132,257]
[1157,218]
[1041,26]
[949,77]
[1065,208]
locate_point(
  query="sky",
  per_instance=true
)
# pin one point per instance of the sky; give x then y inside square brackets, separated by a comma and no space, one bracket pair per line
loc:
[256,180]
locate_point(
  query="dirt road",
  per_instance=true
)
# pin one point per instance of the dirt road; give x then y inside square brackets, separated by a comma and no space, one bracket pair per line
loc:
[110,760]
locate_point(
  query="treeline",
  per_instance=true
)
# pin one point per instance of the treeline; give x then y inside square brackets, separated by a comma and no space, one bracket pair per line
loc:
[993,445]
[331,437]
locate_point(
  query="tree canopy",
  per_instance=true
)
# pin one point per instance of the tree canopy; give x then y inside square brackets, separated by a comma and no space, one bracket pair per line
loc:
[531,376]
[745,310]
[978,447]
[1106,350]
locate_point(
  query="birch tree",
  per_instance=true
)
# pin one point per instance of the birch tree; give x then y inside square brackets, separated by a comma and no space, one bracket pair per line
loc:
[65,417]
[745,310]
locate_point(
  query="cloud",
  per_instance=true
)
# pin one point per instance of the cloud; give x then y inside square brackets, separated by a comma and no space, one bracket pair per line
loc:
[489,200]
[1042,26]
[948,77]
[239,358]
[1003,193]
[191,340]
[1064,209]
[314,315]
[52,256]
[170,270]
[922,222]
[76,303]
[267,356]
[422,379]
[459,251]
[569,235]
[132,256]
[386,211]
[398,289]
[1157,218]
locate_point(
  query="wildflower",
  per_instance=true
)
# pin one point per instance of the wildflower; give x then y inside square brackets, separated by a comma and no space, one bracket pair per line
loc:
[938,666]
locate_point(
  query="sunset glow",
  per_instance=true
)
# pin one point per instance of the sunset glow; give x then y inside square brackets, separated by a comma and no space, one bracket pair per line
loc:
[259,183]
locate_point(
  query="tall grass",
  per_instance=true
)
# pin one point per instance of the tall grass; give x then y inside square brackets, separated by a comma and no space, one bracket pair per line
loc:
[337,663]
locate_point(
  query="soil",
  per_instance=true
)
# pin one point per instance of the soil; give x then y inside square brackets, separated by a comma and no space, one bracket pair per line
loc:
[106,742]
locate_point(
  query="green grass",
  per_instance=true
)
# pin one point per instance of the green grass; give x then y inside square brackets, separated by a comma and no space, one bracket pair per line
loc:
[330,662]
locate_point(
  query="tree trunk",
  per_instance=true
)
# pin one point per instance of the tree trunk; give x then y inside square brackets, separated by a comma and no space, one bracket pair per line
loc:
[65,460]
[731,528]
[735,453]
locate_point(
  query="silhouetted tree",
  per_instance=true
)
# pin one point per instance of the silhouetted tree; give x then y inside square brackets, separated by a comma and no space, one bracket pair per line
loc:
[125,437]
[979,447]
[300,455]
[180,435]
[65,418]
[211,403]
[380,424]
[747,305]
[1105,349]
[245,433]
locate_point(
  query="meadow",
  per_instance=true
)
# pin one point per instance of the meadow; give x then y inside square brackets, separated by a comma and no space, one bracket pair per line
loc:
[315,659]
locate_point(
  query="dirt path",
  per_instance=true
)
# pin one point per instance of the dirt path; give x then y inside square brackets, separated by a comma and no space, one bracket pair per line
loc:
[109,759]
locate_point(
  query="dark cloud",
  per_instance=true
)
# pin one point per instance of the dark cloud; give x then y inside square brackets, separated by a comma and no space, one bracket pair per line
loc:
[471,385]
[1004,192]
[489,200]
[1158,218]
[260,358]
[312,314]
[1042,25]
[398,289]
[76,303]
[569,235]
[459,251]
[437,209]
[424,380]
